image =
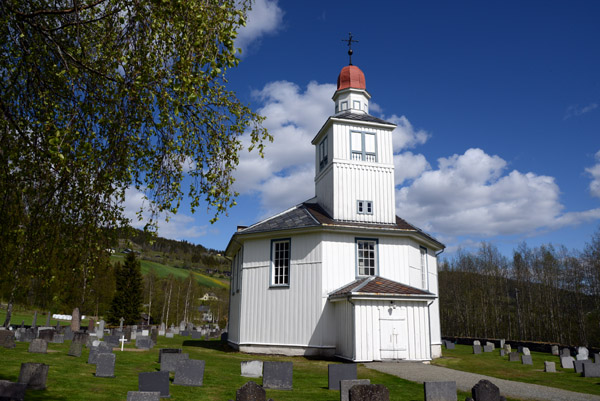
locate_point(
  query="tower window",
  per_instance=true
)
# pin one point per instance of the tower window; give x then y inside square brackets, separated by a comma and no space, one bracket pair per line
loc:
[356,105]
[364,207]
[323,154]
[362,146]
[344,106]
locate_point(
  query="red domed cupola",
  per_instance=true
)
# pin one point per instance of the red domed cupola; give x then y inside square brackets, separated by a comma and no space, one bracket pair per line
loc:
[351,77]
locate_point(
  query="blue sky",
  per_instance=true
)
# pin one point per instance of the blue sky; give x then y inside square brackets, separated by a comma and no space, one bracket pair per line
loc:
[497,106]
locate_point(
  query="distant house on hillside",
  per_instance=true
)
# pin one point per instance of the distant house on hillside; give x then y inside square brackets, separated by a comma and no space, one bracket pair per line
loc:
[209,296]
[339,274]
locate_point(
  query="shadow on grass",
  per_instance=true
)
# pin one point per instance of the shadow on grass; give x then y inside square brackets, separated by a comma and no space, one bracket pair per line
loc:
[214,345]
[41,395]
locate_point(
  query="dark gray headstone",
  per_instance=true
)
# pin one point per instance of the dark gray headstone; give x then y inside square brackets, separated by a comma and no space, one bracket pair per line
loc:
[80,337]
[526,360]
[75,349]
[578,365]
[520,349]
[189,372]
[514,357]
[105,365]
[566,362]
[477,349]
[34,324]
[488,348]
[596,358]
[450,345]
[277,375]
[34,375]
[143,342]
[113,340]
[68,334]
[250,392]
[167,351]
[169,361]
[12,391]
[591,370]
[440,391]
[369,392]
[196,335]
[7,339]
[47,335]
[549,367]
[104,348]
[346,385]
[154,381]
[154,334]
[143,396]
[565,352]
[184,333]
[38,346]
[58,338]
[343,371]
[502,353]
[485,391]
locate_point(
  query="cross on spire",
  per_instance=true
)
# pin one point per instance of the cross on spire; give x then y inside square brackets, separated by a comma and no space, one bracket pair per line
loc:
[350,41]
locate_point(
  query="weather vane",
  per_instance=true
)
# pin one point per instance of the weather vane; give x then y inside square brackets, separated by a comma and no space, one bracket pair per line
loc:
[350,41]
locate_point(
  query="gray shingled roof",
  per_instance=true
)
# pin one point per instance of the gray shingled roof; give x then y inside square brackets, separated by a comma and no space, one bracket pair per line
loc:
[347,115]
[297,217]
[378,286]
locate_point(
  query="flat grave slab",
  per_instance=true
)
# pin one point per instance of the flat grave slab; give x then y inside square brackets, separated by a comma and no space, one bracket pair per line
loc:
[154,381]
[12,391]
[440,391]
[369,392]
[189,372]
[346,385]
[277,375]
[341,371]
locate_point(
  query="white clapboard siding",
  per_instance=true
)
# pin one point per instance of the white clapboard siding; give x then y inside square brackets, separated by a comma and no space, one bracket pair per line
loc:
[344,346]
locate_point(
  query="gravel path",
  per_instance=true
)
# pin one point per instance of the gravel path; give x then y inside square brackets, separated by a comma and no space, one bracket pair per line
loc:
[420,372]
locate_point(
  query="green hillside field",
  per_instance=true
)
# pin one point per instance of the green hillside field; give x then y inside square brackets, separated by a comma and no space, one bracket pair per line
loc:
[164,270]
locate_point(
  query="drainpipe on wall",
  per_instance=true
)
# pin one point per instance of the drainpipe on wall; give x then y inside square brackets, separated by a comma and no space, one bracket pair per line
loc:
[353,330]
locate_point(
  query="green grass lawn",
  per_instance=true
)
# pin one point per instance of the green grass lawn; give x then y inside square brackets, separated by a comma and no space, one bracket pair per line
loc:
[492,364]
[164,270]
[19,316]
[71,378]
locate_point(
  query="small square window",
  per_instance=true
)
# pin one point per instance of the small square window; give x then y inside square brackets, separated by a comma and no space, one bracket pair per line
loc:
[344,105]
[356,105]
[364,207]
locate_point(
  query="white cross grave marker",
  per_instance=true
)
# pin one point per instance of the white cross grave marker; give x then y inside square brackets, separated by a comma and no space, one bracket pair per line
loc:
[122,340]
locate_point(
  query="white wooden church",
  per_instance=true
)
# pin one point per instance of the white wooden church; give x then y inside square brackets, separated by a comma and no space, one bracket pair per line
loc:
[339,274]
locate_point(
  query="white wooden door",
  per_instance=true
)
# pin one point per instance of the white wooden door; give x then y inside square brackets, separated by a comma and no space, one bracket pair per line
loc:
[393,330]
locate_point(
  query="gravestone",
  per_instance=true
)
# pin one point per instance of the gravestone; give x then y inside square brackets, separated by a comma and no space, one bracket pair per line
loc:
[491,344]
[167,351]
[48,319]
[448,344]
[250,392]
[121,320]
[591,370]
[34,324]
[133,335]
[184,333]
[12,391]
[196,335]
[93,356]
[514,357]
[485,390]
[582,354]
[477,349]
[507,348]
[46,334]
[502,353]
[555,350]
[113,340]
[346,385]
[277,375]
[502,341]
[154,381]
[476,342]
[104,348]
[75,349]
[75,320]
[145,333]
[91,325]
[143,396]
[488,348]
[525,351]
[342,371]
[182,326]
[369,392]
[143,342]
[27,336]
[549,367]
[154,335]
[440,391]
[169,361]
[34,375]
[80,337]
[38,346]
[7,339]
[189,372]
[100,329]
[526,360]
[578,365]
[566,362]
[565,352]
[58,338]
[251,368]
[68,334]
[105,365]
[169,335]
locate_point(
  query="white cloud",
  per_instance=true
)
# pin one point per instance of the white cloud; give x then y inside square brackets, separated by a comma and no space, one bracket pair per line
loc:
[408,166]
[285,176]
[470,194]
[576,110]
[264,18]
[594,171]
[179,226]
[405,136]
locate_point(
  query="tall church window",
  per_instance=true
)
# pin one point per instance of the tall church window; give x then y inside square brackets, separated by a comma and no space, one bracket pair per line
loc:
[366,257]
[424,268]
[280,262]
[362,146]
[323,154]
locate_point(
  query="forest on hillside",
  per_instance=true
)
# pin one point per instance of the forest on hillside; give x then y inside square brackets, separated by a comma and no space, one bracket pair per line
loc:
[546,293]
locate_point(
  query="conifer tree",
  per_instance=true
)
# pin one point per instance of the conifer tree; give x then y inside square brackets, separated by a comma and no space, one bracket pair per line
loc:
[127,302]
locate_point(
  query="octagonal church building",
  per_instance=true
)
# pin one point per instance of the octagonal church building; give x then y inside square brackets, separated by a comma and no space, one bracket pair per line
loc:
[340,274]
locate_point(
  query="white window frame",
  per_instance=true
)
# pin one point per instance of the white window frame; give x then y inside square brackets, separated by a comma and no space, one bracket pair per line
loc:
[344,105]
[364,207]
[281,262]
[323,153]
[358,151]
[356,104]
[369,246]
[424,269]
